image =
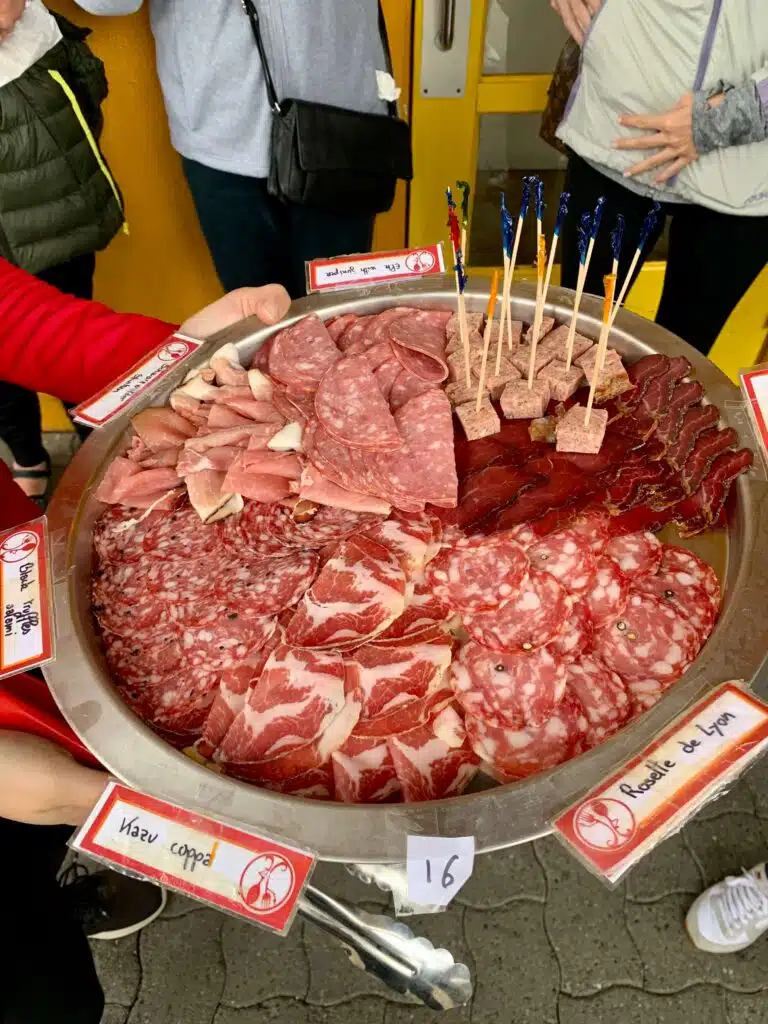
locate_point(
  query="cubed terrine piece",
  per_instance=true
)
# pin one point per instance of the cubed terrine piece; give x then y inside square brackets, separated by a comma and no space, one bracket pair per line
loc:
[458,393]
[456,367]
[519,402]
[562,383]
[547,323]
[558,340]
[454,343]
[478,424]
[614,379]
[522,357]
[573,436]
[475,322]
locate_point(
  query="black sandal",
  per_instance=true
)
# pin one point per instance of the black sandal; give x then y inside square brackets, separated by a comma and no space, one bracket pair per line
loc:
[36,474]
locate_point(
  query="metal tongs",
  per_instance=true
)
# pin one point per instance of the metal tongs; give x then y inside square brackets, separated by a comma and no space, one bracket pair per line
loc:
[389,949]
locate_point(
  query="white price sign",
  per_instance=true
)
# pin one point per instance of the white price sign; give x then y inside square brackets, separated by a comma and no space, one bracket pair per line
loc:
[337,272]
[437,867]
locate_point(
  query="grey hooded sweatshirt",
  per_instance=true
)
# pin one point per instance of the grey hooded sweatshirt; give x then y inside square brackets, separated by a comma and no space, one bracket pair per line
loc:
[323,50]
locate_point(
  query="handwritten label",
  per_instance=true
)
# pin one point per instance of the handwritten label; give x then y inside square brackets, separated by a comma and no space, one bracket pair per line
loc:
[116,397]
[374,268]
[27,626]
[437,867]
[246,874]
[754,385]
[621,820]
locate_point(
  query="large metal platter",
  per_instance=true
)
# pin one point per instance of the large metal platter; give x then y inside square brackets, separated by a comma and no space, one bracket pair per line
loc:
[498,817]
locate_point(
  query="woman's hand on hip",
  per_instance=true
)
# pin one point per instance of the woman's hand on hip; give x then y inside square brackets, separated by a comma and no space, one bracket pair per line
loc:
[671,137]
[577,15]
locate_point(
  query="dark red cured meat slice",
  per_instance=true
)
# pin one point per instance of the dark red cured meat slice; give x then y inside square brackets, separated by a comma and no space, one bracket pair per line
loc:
[339,324]
[479,573]
[142,663]
[424,468]
[686,394]
[327,526]
[180,534]
[708,446]
[406,386]
[684,568]
[270,586]
[386,373]
[649,640]
[302,353]
[296,698]
[364,772]
[577,635]
[695,422]
[658,395]
[294,405]
[352,409]
[423,613]
[430,762]
[183,580]
[636,554]
[567,558]
[603,696]
[593,527]
[703,509]
[493,496]
[628,488]
[181,703]
[378,354]
[409,536]
[419,346]
[377,327]
[343,465]
[640,518]
[405,717]
[131,611]
[641,373]
[115,541]
[390,677]
[257,529]
[359,592]
[508,690]
[608,594]
[530,620]
[518,753]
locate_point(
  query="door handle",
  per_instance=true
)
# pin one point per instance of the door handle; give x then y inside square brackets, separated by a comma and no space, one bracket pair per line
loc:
[447,32]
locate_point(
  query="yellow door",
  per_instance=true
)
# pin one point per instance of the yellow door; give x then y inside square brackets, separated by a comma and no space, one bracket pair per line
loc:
[481,73]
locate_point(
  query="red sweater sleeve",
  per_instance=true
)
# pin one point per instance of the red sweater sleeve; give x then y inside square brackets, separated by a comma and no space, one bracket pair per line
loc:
[66,347]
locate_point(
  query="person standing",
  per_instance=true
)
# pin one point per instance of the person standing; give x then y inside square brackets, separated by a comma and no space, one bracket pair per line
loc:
[58,201]
[671,105]
[322,51]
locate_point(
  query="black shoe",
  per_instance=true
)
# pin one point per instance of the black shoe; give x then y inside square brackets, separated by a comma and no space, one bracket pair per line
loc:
[110,905]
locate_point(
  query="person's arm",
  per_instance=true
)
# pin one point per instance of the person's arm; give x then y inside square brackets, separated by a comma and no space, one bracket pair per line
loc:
[731,115]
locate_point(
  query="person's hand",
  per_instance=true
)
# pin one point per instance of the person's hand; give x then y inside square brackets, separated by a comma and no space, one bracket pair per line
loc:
[671,137]
[577,15]
[10,12]
[269,304]
[42,784]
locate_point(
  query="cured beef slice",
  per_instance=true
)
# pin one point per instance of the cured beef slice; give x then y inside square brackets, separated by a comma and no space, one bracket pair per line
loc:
[703,509]
[418,340]
[301,354]
[351,407]
[708,446]
[695,422]
[640,374]
[684,395]
[658,395]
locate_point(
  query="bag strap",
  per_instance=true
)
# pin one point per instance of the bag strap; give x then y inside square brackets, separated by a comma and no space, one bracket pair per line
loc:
[253,17]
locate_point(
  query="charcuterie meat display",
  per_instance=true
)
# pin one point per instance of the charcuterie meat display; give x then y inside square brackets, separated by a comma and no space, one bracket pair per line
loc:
[318,575]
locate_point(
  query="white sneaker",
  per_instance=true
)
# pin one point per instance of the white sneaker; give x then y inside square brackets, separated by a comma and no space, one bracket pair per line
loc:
[729,916]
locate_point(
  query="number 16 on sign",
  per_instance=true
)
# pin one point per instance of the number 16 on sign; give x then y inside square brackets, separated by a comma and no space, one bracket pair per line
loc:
[438,866]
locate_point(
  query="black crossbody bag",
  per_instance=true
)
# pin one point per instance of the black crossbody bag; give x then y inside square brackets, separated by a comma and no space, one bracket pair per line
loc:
[333,159]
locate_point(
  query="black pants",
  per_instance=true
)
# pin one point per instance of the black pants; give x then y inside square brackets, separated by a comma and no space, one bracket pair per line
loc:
[713,257]
[47,974]
[255,239]
[20,425]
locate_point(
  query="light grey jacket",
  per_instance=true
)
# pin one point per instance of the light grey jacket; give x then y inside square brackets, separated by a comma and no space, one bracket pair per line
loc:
[641,57]
[322,50]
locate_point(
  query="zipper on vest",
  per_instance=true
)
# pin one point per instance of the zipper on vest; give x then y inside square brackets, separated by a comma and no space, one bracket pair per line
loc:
[57,77]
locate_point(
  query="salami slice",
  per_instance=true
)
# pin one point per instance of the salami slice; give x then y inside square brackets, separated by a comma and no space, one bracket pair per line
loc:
[508,690]
[418,340]
[577,634]
[567,558]
[183,580]
[268,587]
[518,753]
[302,354]
[683,567]
[607,595]
[259,527]
[118,536]
[353,332]
[141,663]
[603,696]
[594,528]
[526,622]
[180,534]
[648,640]
[327,526]
[478,573]
[386,373]
[214,648]
[406,386]
[339,325]
[351,407]
[123,605]
[636,554]
[689,600]
[181,703]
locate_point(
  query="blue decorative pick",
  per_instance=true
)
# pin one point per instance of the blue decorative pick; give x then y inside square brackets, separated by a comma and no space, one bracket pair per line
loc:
[648,225]
[597,216]
[538,186]
[507,228]
[616,237]
[526,196]
[562,211]
[583,234]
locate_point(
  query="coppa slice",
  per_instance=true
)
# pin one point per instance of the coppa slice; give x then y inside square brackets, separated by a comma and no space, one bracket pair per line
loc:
[302,353]
[359,592]
[392,676]
[351,407]
[478,573]
[418,340]
[434,761]
[530,620]
[364,772]
[408,536]
[423,612]
[508,690]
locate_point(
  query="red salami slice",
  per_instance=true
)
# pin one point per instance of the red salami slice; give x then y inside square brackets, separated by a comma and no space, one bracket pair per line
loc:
[528,621]
[518,753]
[181,703]
[339,325]
[118,537]
[607,596]
[689,600]
[479,573]
[351,407]
[301,354]
[434,761]
[685,568]
[603,696]
[648,641]
[364,772]
[409,536]
[123,605]
[386,373]
[577,635]
[359,592]
[180,534]
[508,690]
[353,333]
[405,387]
[594,528]
[566,557]
[390,677]
[644,694]
[343,465]
[268,587]
[258,529]
[175,581]
[326,526]
[636,554]
[225,643]
[141,663]
[419,343]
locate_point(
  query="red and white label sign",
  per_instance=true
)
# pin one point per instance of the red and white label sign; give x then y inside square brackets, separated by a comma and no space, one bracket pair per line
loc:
[621,820]
[116,398]
[25,592]
[374,268]
[754,384]
[246,874]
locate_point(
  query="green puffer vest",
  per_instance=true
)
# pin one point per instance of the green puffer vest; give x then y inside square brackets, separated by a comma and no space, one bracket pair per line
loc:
[56,201]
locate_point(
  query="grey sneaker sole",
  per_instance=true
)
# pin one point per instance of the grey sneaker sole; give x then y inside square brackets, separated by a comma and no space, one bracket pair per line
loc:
[121,933]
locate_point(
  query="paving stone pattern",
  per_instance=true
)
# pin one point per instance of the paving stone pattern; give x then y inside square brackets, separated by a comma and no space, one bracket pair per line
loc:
[546,944]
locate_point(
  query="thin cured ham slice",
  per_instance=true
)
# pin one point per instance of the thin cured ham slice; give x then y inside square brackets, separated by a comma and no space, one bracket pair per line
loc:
[147,489]
[603,696]
[478,573]
[508,690]
[301,354]
[418,340]
[262,460]
[406,386]
[434,761]
[636,554]
[390,677]
[315,486]
[564,555]
[351,407]
[518,753]
[364,772]
[219,459]
[190,408]
[209,497]
[256,486]
[359,592]
[409,536]
[531,619]
[238,437]
[424,468]
[162,428]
